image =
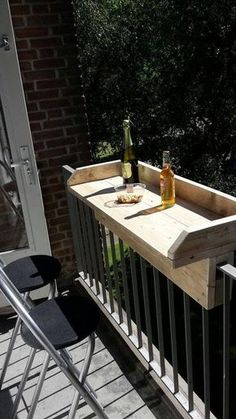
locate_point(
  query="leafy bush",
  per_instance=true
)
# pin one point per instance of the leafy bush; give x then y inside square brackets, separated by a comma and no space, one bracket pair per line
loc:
[169,65]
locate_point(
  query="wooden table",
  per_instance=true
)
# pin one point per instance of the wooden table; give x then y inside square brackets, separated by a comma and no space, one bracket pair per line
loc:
[184,242]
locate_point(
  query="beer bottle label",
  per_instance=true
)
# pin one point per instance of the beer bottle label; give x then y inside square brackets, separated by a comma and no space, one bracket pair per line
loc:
[126,170]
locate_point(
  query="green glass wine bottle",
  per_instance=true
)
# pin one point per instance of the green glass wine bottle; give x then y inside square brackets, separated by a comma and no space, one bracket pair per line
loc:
[129,161]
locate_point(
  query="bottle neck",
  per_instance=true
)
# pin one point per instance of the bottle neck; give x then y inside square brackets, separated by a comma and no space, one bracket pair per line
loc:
[127,135]
[166,159]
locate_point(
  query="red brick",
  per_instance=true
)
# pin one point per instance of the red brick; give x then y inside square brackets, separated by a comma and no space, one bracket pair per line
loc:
[43,94]
[70,91]
[57,142]
[46,53]
[42,74]
[37,116]
[46,84]
[53,181]
[21,44]
[28,54]
[62,211]
[25,65]
[20,10]
[63,203]
[59,220]
[41,20]
[31,32]
[32,107]
[35,126]
[54,113]
[57,103]
[57,123]
[52,205]
[59,7]
[39,145]
[46,134]
[64,226]
[50,63]
[57,245]
[40,9]
[46,42]
[18,21]
[60,195]
[58,30]
[28,86]
[48,190]
[58,237]
[52,152]
[73,130]
[50,214]
[60,161]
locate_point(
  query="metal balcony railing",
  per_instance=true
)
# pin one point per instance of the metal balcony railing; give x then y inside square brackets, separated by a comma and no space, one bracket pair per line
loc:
[185,347]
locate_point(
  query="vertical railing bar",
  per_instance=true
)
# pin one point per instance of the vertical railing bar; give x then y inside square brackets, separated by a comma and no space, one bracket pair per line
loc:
[125,285]
[94,250]
[90,238]
[80,239]
[136,297]
[206,361]
[84,229]
[170,288]
[146,307]
[107,267]
[188,348]
[75,222]
[100,258]
[116,277]
[226,344]
[157,292]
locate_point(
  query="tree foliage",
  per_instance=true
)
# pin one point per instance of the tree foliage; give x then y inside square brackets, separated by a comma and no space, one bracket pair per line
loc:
[170,65]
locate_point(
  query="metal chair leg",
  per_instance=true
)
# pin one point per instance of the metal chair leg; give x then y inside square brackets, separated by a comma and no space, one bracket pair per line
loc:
[9,350]
[83,374]
[38,387]
[11,345]
[66,354]
[29,303]
[23,382]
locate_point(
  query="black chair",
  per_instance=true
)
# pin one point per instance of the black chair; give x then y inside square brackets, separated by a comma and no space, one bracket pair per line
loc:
[28,274]
[54,325]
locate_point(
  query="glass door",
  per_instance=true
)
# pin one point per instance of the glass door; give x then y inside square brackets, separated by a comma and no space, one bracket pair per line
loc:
[23,229]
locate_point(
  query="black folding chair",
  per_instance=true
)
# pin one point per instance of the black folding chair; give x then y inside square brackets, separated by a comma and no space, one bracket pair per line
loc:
[69,320]
[28,274]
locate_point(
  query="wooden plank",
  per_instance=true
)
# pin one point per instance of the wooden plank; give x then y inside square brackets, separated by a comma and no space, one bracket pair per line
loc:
[196,279]
[200,241]
[95,172]
[209,198]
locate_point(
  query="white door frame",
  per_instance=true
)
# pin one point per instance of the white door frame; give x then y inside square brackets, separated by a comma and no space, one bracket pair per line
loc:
[18,128]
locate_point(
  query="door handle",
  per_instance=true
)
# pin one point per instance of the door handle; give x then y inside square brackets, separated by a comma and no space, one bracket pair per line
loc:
[4,43]
[25,162]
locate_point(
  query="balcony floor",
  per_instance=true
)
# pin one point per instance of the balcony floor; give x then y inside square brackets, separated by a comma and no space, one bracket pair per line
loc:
[122,394]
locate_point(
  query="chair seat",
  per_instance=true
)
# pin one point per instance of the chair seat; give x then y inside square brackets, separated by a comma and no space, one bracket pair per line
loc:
[33,272]
[64,320]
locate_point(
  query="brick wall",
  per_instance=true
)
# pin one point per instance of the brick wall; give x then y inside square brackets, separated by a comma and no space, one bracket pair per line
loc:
[47,54]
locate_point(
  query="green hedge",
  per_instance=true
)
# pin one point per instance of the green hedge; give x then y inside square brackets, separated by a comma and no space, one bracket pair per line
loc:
[169,65]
